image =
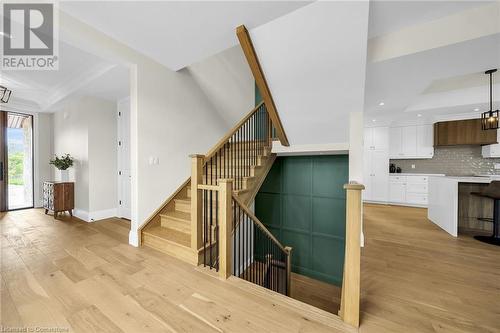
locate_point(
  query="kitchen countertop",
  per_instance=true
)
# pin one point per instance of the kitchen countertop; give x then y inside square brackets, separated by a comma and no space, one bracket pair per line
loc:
[443,199]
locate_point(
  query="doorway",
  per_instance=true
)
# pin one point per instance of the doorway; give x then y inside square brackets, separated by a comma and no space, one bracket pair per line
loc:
[16,161]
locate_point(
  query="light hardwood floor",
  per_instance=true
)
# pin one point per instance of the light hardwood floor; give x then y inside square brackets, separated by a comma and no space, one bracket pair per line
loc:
[84,277]
[417,278]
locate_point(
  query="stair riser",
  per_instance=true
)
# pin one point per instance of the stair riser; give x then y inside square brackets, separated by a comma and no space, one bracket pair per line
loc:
[170,248]
[183,207]
[176,225]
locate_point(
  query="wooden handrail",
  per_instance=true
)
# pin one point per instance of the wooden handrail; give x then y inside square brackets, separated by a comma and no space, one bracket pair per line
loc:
[349,304]
[256,221]
[260,81]
[231,132]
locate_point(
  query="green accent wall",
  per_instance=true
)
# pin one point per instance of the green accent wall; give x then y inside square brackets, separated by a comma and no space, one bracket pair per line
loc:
[302,202]
[258,96]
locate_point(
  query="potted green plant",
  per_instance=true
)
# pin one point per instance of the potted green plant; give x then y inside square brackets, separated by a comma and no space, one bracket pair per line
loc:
[62,164]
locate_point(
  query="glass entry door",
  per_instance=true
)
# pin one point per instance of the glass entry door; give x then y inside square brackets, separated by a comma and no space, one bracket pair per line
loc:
[17,161]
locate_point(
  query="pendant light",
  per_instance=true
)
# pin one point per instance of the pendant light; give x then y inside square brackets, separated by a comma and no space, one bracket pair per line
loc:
[4,94]
[489,119]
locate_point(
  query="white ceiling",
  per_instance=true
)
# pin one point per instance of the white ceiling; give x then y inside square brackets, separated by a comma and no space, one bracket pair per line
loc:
[177,34]
[390,16]
[428,84]
[314,61]
[79,73]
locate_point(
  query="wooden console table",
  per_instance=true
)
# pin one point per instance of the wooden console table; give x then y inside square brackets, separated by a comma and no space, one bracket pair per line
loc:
[59,197]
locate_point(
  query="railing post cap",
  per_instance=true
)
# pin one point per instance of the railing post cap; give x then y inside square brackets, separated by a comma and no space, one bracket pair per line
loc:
[197,156]
[288,249]
[354,186]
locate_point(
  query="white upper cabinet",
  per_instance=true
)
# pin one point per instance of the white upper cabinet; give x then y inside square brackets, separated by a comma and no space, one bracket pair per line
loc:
[409,142]
[425,141]
[492,150]
[395,140]
[380,138]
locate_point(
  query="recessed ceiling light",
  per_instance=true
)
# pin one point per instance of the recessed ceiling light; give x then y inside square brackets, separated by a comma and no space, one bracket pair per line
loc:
[374,120]
[381,103]
[419,115]
[476,109]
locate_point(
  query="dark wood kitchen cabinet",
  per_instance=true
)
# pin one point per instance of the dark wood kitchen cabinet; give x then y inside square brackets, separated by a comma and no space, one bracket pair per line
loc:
[59,197]
[462,132]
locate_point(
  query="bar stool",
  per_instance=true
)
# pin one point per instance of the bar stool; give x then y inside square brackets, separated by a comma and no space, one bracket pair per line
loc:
[491,191]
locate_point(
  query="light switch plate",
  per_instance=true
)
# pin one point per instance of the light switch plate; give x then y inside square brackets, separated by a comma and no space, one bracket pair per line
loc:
[413,166]
[497,166]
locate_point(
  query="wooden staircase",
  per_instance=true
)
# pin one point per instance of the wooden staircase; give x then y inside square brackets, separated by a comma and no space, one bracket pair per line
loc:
[169,230]
[226,180]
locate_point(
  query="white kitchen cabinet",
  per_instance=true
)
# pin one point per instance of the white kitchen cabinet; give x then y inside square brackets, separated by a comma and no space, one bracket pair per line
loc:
[380,177]
[397,191]
[376,138]
[411,142]
[425,141]
[395,148]
[410,190]
[376,175]
[376,164]
[490,151]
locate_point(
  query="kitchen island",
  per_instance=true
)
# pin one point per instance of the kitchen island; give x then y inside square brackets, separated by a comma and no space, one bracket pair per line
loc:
[443,207]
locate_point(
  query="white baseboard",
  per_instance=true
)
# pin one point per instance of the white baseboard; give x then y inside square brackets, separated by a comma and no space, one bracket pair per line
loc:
[94,216]
[102,214]
[133,238]
[81,214]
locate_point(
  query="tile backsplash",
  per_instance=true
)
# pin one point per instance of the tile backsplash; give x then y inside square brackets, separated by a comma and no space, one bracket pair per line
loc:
[456,161]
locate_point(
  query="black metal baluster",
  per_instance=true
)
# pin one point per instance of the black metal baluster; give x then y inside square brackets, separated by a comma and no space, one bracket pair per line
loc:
[204,229]
[234,236]
[210,229]
[217,231]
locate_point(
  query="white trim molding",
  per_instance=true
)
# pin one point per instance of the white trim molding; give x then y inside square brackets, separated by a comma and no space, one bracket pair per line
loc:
[311,149]
[94,216]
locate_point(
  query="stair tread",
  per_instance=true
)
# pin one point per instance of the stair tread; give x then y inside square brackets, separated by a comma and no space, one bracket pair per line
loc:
[170,235]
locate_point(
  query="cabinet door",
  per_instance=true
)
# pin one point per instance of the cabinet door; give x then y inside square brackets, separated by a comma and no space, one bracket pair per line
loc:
[409,141]
[368,138]
[380,175]
[425,141]
[395,149]
[397,192]
[380,138]
[367,174]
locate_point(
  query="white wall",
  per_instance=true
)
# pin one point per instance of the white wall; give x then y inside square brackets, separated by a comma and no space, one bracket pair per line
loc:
[71,137]
[43,153]
[103,146]
[314,60]
[85,128]
[171,118]
[228,83]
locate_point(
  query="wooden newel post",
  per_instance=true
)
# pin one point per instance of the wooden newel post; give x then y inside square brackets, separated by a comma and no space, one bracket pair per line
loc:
[349,305]
[196,198]
[288,250]
[225,227]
